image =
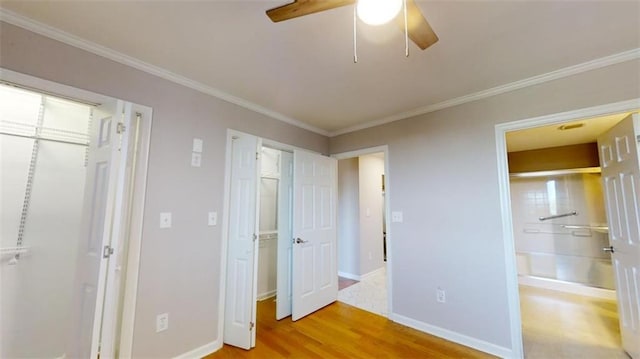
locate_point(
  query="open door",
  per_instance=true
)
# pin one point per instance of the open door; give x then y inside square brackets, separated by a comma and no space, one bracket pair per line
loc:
[100,208]
[619,159]
[285,205]
[315,271]
[240,293]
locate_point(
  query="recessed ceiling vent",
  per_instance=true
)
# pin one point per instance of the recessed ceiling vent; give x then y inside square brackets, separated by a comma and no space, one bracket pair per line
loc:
[571,126]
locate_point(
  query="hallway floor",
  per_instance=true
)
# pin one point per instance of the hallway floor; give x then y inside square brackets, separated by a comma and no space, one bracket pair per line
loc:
[563,325]
[369,294]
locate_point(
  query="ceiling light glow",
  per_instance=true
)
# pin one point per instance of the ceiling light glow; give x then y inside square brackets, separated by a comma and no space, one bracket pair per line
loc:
[378,12]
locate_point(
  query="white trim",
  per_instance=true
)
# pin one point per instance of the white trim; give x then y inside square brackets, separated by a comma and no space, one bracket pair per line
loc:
[567,287]
[453,336]
[202,351]
[511,271]
[73,40]
[225,234]
[136,226]
[349,275]
[266,295]
[629,55]
[372,273]
[387,203]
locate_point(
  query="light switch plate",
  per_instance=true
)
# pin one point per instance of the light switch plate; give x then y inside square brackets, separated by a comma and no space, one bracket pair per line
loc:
[162,322]
[197,145]
[196,159]
[165,220]
[213,218]
[396,216]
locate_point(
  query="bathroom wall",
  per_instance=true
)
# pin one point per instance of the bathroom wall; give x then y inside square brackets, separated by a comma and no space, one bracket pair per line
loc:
[549,250]
[36,291]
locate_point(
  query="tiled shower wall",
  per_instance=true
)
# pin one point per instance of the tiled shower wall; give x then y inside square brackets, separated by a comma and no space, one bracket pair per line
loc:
[549,250]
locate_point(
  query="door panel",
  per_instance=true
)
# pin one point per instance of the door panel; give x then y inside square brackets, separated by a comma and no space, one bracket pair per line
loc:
[240,296]
[99,203]
[315,273]
[285,204]
[619,154]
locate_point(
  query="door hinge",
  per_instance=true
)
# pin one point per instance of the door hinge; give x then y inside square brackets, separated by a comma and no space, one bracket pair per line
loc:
[255,236]
[121,128]
[107,251]
[251,326]
[257,156]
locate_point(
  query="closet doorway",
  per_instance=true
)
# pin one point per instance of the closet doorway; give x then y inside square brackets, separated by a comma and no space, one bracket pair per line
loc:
[71,169]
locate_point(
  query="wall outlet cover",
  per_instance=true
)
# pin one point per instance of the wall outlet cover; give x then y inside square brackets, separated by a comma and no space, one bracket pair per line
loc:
[165,220]
[396,216]
[196,159]
[162,322]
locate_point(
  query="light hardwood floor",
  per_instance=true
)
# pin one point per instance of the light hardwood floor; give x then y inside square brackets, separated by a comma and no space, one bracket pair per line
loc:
[342,331]
[562,325]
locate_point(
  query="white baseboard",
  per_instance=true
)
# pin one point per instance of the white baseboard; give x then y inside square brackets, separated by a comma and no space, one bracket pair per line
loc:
[360,277]
[458,338]
[348,275]
[267,295]
[202,351]
[567,287]
[372,273]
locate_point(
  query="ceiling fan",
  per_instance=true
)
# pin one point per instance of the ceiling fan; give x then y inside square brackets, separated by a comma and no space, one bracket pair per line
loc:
[418,29]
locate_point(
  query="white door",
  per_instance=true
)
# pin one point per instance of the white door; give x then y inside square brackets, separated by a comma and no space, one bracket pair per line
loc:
[315,271]
[240,294]
[619,159]
[118,242]
[285,206]
[98,210]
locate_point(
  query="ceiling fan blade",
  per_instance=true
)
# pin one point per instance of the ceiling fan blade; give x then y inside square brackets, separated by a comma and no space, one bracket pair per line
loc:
[304,7]
[420,32]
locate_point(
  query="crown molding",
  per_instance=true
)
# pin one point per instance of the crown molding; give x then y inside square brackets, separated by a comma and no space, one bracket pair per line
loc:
[535,80]
[103,51]
[69,39]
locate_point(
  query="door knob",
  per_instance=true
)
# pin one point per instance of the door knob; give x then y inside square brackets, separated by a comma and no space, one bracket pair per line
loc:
[298,241]
[609,249]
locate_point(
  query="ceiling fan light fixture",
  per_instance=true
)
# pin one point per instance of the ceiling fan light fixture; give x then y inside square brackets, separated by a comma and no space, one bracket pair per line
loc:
[378,12]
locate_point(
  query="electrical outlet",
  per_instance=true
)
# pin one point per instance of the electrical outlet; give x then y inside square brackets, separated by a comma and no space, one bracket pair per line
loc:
[162,322]
[440,295]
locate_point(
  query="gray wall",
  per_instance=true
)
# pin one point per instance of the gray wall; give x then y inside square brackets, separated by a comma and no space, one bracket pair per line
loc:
[348,217]
[180,267]
[443,173]
[371,168]
[442,170]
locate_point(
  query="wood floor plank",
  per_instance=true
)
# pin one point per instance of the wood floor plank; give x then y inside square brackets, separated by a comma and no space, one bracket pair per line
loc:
[342,331]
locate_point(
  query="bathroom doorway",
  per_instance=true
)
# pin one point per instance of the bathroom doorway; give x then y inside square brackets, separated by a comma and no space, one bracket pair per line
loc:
[567,300]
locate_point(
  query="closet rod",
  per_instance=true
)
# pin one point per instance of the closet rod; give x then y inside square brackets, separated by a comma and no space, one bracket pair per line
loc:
[44,139]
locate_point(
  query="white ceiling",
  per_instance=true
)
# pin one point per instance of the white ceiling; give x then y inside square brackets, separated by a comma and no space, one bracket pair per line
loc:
[552,136]
[303,69]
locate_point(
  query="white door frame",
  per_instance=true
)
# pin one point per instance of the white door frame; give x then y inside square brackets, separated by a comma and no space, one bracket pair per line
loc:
[225,218]
[511,270]
[387,211]
[136,211]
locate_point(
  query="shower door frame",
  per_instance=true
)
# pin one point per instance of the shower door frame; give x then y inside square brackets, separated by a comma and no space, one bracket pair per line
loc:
[131,236]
